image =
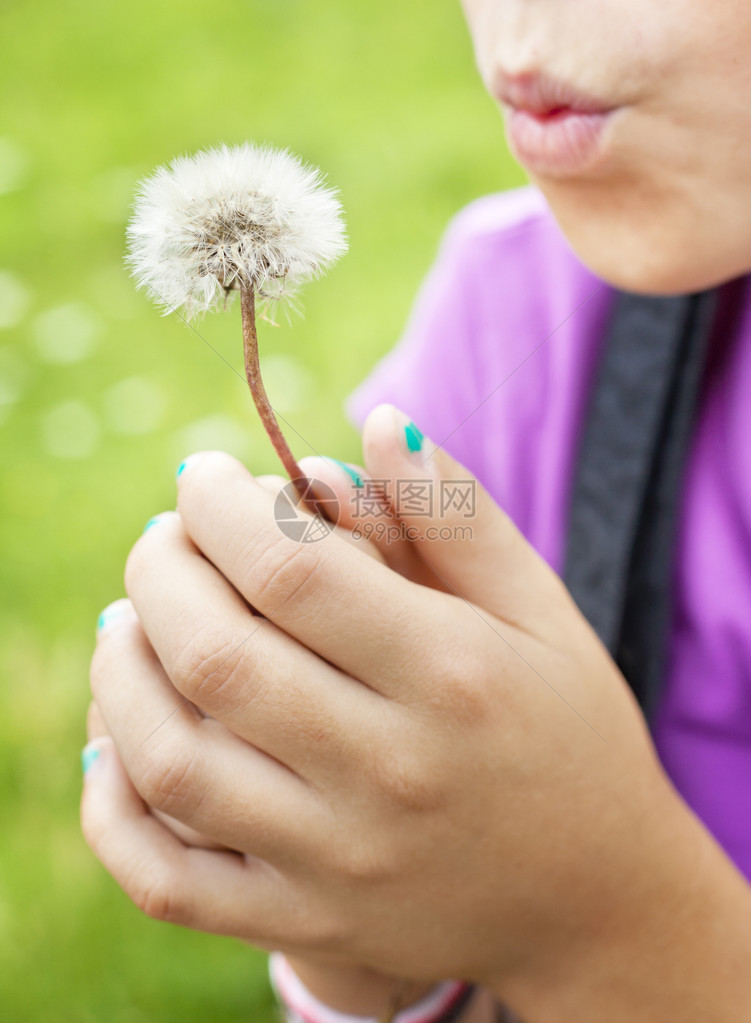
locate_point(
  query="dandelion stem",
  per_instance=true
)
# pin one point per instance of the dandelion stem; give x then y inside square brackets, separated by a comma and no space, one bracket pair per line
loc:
[253,375]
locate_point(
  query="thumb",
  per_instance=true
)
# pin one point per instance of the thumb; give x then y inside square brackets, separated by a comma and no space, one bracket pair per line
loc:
[458,530]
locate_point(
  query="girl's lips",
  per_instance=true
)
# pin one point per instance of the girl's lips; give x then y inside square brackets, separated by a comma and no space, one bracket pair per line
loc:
[553,129]
[562,144]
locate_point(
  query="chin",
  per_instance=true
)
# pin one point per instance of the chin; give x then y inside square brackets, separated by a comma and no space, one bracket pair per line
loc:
[643,268]
[637,243]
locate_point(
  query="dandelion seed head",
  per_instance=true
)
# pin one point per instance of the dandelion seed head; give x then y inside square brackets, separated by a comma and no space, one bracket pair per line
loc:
[229,217]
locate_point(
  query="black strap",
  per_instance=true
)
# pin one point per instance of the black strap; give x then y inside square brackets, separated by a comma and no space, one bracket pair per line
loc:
[627,482]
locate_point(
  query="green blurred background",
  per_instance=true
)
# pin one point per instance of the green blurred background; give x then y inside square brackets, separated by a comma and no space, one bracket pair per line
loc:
[100,397]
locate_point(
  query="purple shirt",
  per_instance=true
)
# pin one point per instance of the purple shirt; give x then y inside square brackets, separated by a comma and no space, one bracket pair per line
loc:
[497,362]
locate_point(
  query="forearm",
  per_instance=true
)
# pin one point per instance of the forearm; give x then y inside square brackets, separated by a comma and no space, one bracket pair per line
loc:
[679,951]
[351,989]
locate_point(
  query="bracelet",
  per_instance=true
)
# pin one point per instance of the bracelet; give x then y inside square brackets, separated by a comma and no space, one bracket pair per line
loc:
[443,1004]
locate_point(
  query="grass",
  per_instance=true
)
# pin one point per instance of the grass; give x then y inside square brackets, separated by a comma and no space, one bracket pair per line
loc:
[100,397]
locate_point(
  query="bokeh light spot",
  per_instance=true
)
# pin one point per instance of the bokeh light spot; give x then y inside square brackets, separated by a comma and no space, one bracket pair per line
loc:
[134,406]
[67,333]
[70,430]
[14,298]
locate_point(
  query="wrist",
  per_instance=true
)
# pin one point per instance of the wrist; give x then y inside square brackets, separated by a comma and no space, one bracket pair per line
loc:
[672,942]
[442,1003]
[351,989]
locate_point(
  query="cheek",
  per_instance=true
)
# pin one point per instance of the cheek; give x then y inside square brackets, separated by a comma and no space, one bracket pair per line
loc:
[485,20]
[472,11]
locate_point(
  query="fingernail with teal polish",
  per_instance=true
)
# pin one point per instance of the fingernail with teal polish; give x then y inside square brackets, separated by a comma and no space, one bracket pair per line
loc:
[413,436]
[152,522]
[353,474]
[88,755]
[185,463]
[109,615]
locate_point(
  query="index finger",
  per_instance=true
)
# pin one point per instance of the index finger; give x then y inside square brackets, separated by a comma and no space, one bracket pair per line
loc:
[347,607]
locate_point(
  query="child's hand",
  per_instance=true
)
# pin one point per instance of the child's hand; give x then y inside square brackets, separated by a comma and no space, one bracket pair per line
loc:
[345,987]
[432,783]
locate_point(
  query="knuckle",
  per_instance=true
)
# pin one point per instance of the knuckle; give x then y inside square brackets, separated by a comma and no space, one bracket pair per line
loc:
[468,700]
[365,863]
[407,781]
[462,683]
[284,570]
[209,665]
[159,897]
[168,781]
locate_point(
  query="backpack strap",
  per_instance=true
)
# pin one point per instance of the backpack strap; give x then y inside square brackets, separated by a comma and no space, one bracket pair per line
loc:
[627,482]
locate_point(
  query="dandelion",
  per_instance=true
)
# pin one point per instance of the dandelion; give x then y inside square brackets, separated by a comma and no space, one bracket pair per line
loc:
[235,218]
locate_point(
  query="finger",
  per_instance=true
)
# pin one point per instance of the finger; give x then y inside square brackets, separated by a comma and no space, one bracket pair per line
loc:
[366,514]
[97,729]
[189,766]
[460,532]
[271,482]
[95,726]
[323,490]
[244,670]
[323,592]
[220,892]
